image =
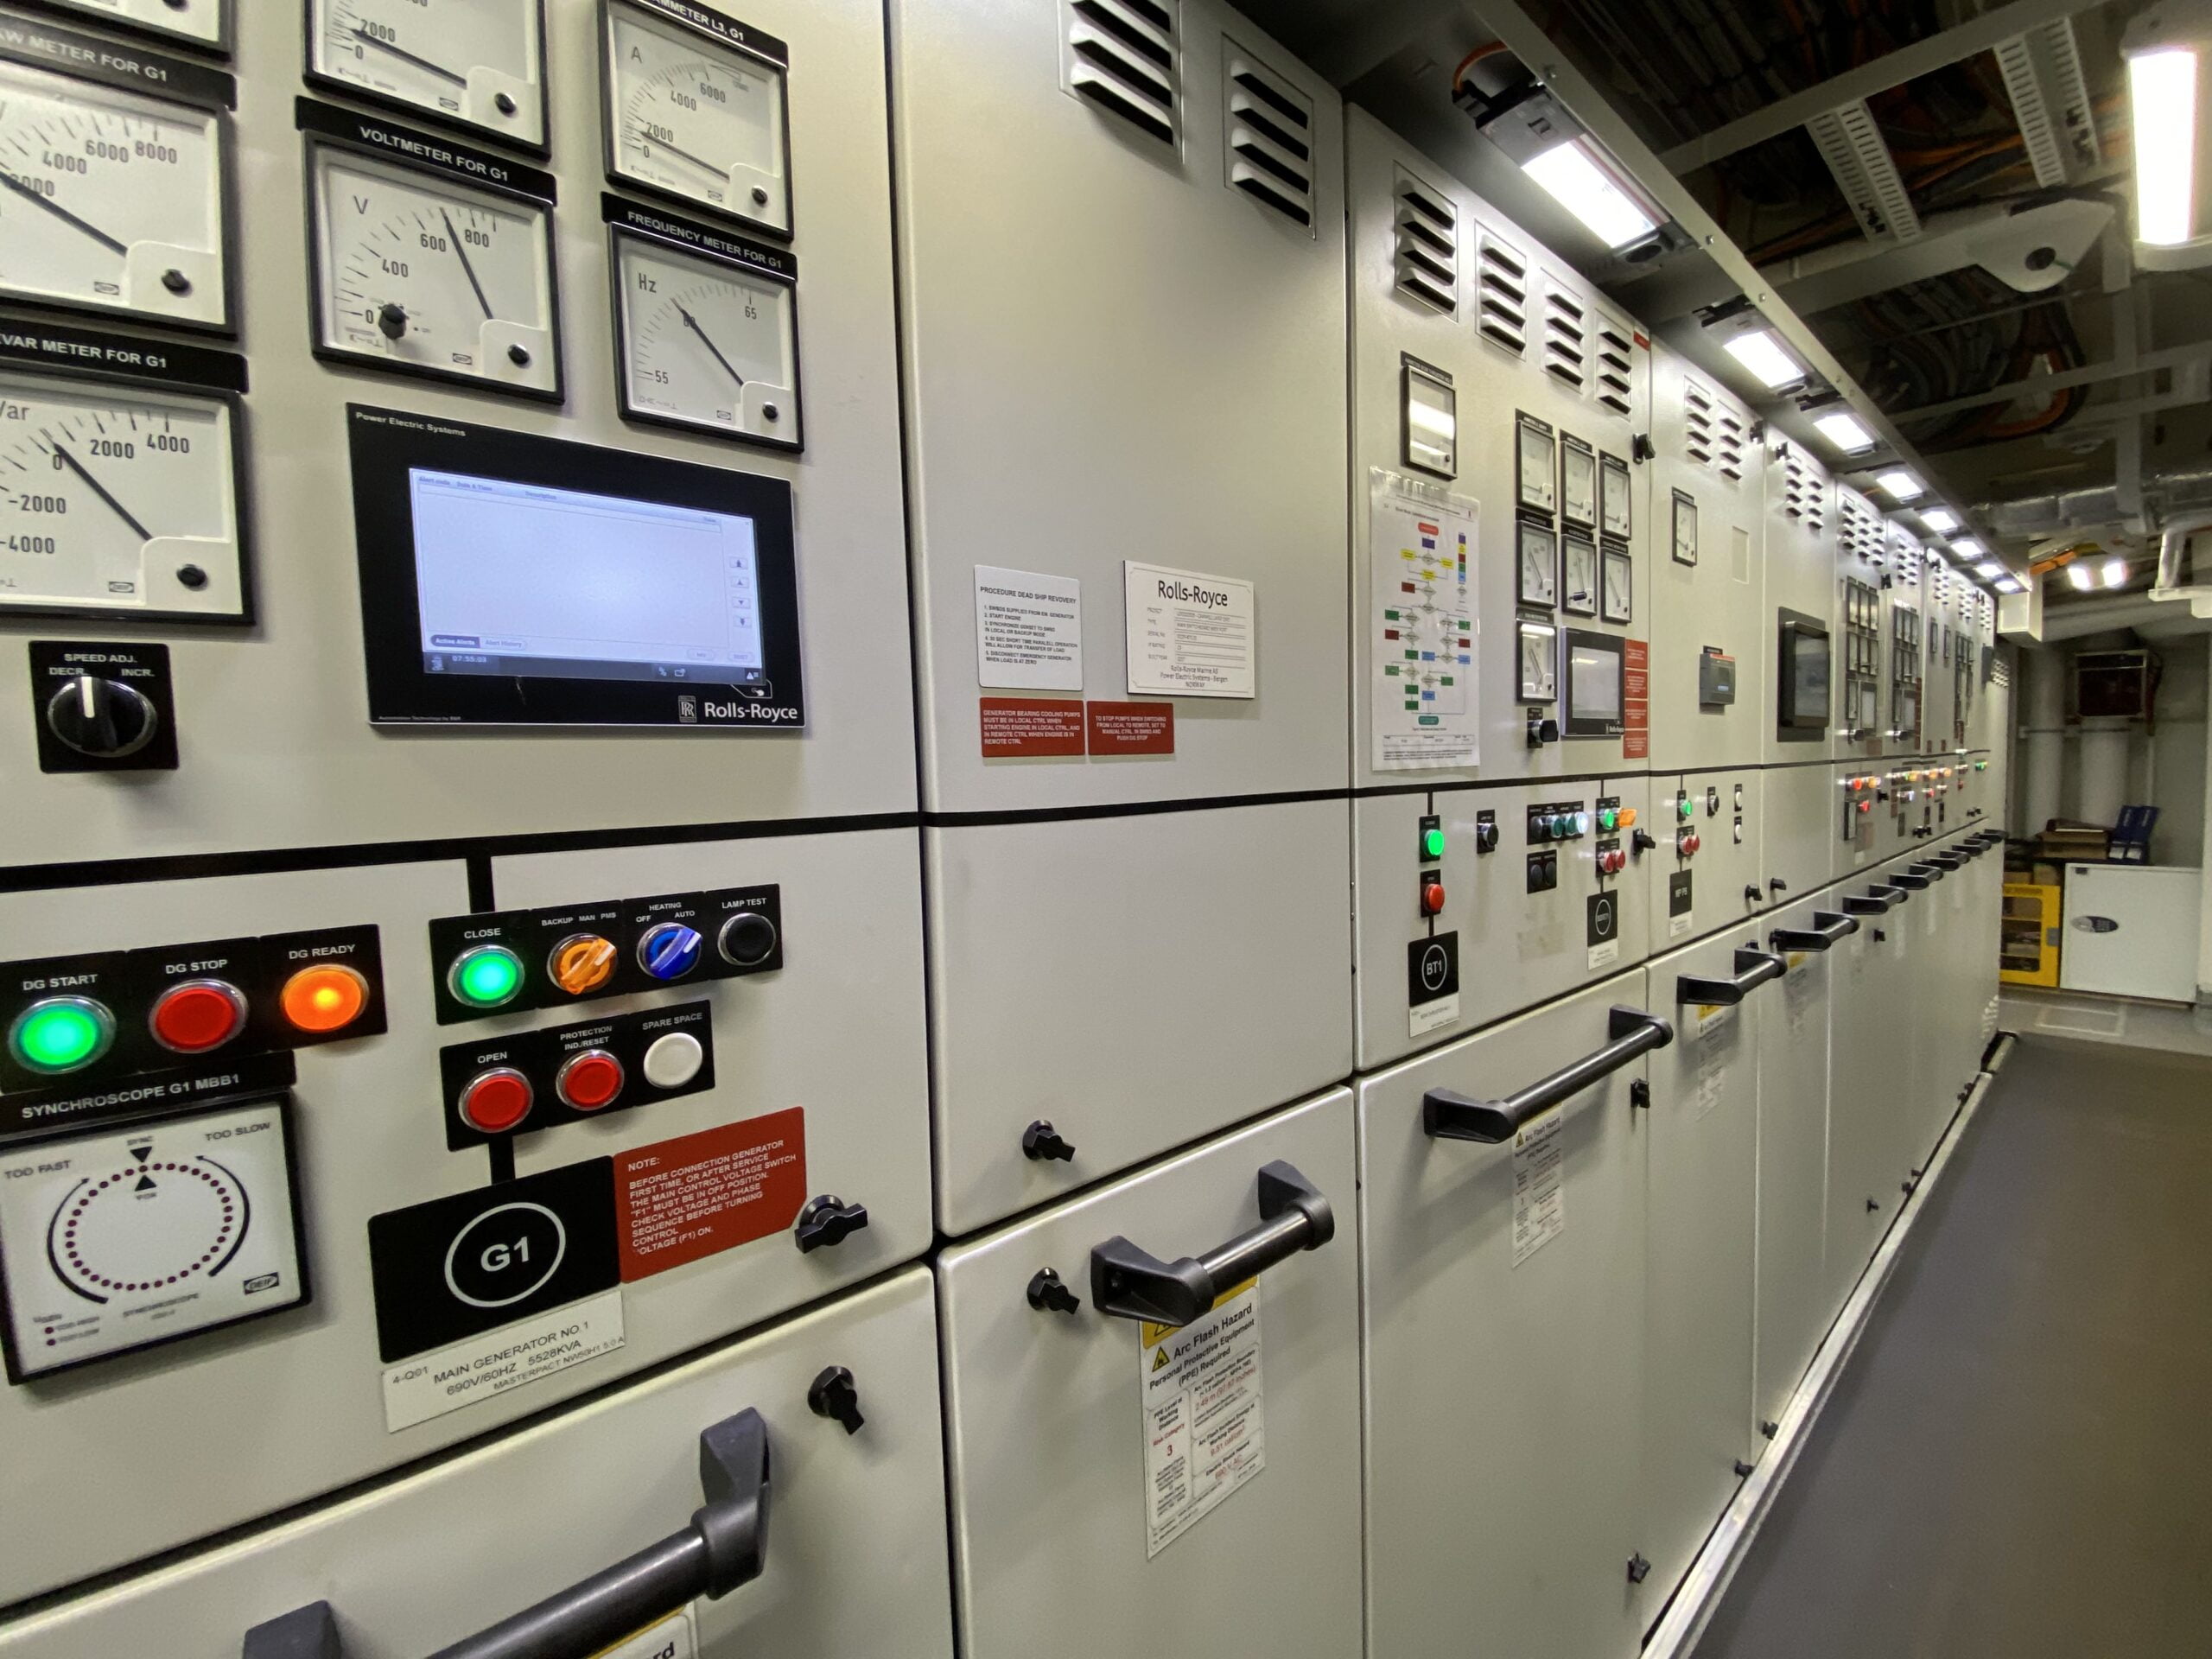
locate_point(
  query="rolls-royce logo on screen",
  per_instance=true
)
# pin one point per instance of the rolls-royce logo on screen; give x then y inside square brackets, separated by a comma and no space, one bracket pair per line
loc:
[687,710]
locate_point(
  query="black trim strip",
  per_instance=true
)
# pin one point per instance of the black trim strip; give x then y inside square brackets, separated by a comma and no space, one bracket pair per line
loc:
[1126,808]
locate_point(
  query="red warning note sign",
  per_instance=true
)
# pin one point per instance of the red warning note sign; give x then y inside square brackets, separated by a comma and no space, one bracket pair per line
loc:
[1132,727]
[1018,727]
[1636,699]
[698,1195]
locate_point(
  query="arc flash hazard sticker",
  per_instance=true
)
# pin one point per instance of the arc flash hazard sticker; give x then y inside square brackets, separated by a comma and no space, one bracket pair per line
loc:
[1204,1427]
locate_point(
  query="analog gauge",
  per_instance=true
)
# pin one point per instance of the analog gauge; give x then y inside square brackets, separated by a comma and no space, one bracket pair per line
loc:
[116,502]
[1539,565]
[692,112]
[1620,587]
[1580,587]
[1537,465]
[1685,528]
[109,201]
[707,343]
[1539,662]
[1618,517]
[1578,483]
[200,22]
[480,63]
[422,273]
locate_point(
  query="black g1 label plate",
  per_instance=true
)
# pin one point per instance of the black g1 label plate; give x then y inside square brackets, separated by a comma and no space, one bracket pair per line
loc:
[460,1266]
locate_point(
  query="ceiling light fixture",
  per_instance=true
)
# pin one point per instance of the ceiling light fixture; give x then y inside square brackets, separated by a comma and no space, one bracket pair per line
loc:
[1900,485]
[2009,585]
[1760,352]
[1846,433]
[2115,573]
[1967,548]
[1942,520]
[2162,92]
[1989,569]
[1592,192]
[2083,578]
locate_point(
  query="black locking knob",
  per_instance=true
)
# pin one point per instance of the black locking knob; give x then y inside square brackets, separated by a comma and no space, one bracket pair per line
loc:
[829,1220]
[834,1396]
[1751,893]
[1048,1294]
[1041,1142]
[1638,1568]
[1775,884]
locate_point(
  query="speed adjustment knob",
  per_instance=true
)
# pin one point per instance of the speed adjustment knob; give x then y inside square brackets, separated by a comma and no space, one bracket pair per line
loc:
[105,719]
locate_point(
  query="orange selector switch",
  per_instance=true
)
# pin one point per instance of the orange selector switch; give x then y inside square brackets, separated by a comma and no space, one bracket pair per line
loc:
[582,963]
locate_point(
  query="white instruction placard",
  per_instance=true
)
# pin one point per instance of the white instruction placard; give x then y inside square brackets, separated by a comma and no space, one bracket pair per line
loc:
[1715,1030]
[1190,635]
[430,1385]
[1028,630]
[673,1637]
[1539,1184]
[1205,1431]
[1423,541]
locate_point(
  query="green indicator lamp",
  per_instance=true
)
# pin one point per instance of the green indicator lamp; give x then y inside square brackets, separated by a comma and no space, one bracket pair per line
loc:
[60,1033]
[1608,820]
[485,977]
[1431,843]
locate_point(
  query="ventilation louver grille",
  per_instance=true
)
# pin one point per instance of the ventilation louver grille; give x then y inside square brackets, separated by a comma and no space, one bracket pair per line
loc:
[1619,367]
[1733,432]
[1269,137]
[1566,336]
[1805,497]
[1428,246]
[1697,424]
[1125,57]
[1502,294]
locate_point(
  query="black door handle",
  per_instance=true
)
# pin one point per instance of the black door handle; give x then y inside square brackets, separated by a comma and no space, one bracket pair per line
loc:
[1875,901]
[1827,927]
[724,1547]
[1128,1283]
[1950,861]
[1911,881]
[1933,870]
[1446,1114]
[1753,969]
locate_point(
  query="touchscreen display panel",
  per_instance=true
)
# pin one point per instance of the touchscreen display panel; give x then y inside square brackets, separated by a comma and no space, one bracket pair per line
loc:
[1593,682]
[524,579]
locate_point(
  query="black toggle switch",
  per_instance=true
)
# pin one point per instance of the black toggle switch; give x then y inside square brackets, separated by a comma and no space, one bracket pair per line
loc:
[828,1220]
[833,1395]
[1048,1293]
[1040,1142]
[1644,841]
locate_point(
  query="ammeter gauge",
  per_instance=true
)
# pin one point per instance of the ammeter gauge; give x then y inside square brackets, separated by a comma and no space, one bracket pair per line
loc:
[479,63]
[707,342]
[1537,566]
[419,272]
[202,22]
[695,109]
[111,201]
[116,501]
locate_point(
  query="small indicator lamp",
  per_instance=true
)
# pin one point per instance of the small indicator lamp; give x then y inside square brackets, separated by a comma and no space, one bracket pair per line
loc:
[197,1016]
[324,999]
[1432,842]
[485,977]
[61,1033]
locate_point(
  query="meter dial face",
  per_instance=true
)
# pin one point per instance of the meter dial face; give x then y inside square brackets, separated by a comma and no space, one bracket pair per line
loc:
[707,344]
[116,501]
[1620,587]
[1539,662]
[200,22]
[109,201]
[1580,594]
[1614,493]
[1577,471]
[422,273]
[1536,462]
[1538,566]
[695,118]
[478,62]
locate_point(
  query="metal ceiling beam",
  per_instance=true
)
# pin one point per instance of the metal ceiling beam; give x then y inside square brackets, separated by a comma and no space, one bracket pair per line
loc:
[1977,34]
[2173,357]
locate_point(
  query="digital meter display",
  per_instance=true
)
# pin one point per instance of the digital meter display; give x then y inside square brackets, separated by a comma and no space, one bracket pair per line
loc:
[518,579]
[508,579]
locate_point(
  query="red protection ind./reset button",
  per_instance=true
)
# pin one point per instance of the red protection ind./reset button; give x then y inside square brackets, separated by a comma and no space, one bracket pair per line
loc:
[589,1080]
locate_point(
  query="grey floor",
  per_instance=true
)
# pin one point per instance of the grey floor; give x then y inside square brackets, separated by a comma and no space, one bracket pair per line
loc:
[2016,1463]
[2107,1019]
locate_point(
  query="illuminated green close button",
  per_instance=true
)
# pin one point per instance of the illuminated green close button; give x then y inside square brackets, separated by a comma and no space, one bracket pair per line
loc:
[60,1033]
[1688,808]
[1431,843]
[485,977]
[1608,819]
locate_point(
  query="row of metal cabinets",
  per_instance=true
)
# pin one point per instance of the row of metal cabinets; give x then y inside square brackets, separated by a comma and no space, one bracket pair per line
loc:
[1523,1302]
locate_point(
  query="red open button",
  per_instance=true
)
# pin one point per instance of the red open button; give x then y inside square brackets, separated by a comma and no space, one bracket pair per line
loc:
[589,1080]
[495,1101]
[197,1016]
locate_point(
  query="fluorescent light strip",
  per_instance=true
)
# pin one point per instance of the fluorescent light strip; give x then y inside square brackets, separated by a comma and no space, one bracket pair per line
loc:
[2115,573]
[1967,548]
[1579,184]
[2162,93]
[1762,353]
[1989,569]
[1900,485]
[1942,520]
[1846,433]
[2083,578]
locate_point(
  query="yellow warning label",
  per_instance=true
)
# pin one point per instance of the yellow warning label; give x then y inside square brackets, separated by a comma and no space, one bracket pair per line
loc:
[1159,1360]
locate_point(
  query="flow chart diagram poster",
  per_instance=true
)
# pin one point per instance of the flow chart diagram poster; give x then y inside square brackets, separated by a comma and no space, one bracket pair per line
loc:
[1423,541]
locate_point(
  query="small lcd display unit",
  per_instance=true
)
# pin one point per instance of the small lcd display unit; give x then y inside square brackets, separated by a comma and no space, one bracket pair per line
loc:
[513,580]
[1805,678]
[1595,665]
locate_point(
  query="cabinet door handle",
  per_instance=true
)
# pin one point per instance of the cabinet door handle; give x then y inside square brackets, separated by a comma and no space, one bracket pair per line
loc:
[1912,880]
[1827,927]
[1753,969]
[725,1546]
[1446,1114]
[1129,1283]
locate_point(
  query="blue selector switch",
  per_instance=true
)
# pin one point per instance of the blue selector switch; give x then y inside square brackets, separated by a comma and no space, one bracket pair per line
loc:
[669,949]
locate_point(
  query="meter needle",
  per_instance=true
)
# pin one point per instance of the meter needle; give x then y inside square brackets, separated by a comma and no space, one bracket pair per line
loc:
[455,236]
[61,213]
[405,56]
[122,512]
[692,323]
[685,154]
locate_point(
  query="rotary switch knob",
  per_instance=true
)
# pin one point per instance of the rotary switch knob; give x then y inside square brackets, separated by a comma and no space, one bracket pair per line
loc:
[105,719]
